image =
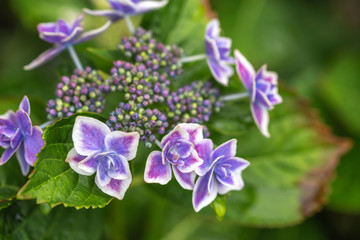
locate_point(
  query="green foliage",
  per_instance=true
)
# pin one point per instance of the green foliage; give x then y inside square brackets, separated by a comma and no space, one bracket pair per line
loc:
[53,181]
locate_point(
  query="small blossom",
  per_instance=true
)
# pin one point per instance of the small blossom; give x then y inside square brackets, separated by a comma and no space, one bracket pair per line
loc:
[122,8]
[62,35]
[262,88]
[178,152]
[220,173]
[217,53]
[97,149]
[18,135]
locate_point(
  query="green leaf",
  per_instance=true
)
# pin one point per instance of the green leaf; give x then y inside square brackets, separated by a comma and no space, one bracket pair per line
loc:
[53,181]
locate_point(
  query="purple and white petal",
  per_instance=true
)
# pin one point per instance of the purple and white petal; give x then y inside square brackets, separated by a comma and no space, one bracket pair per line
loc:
[213,28]
[195,131]
[225,150]
[45,57]
[20,155]
[212,50]
[245,71]
[89,135]
[190,163]
[7,154]
[102,179]
[72,36]
[186,180]
[33,145]
[116,188]
[146,6]
[112,15]
[25,105]
[205,191]
[204,150]
[16,139]
[233,182]
[261,117]
[93,33]
[89,165]
[155,170]
[73,158]
[220,71]
[177,133]
[268,76]
[24,122]
[180,149]
[262,99]
[123,143]
[235,164]
[9,119]
[119,167]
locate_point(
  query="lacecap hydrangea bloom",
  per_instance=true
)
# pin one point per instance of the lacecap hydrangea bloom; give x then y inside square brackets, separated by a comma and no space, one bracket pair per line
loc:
[263,90]
[18,135]
[97,149]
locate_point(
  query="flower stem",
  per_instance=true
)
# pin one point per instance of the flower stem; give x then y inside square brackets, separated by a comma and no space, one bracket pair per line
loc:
[157,142]
[75,57]
[44,125]
[193,58]
[129,24]
[236,96]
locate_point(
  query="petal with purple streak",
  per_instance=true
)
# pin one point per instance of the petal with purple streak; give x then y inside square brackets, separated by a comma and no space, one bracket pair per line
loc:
[155,170]
[7,154]
[146,6]
[213,28]
[262,99]
[190,163]
[180,149]
[119,167]
[45,57]
[267,76]
[235,164]
[177,133]
[93,33]
[73,158]
[261,118]
[195,131]
[112,15]
[186,180]
[204,150]
[245,71]
[205,191]
[25,105]
[102,179]
[89,135]
[225,150]
[115,188]
[33,145]
[125,144]
[16,139]
[232,182]
[220,71]
[90,164]
[24,122]
[20,155]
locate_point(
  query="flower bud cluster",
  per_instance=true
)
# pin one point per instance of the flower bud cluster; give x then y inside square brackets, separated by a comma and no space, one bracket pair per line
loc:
[84,91]
[132,117]
[146,50]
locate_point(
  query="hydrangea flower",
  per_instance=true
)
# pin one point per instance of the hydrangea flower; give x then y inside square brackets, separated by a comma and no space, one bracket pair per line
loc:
[122,8]
[63,35]
[217,53]
[262,88]
[18,135]
[220,173]
[97,149]
[178,152]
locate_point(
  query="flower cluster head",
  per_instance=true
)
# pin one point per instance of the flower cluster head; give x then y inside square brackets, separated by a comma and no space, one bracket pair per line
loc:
[97,149]
[218,53]
[220,173]
[84,91]
[63,35]
[122,8]
[18,135]
[142,48]
[262,88]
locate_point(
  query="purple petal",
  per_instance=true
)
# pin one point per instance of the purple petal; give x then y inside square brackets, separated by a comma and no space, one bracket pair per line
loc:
[116,188]
[267,76]
[262,99]
[204,150]
[125,144]
[212,50]
[7,154]
[205,191]
[73,158]
[89,135]
[261,117]
[77,22]
[180,149]
[146,6]
[33,145]
[46,27]
[16,139]
[8,119]
[45,57]
[186,180]
[195,131]
[72,36]
[190,163]
[213,28]
[235,164]
[275,98]
[24,122]
[155,170]
[20,155]
[225,150]
[119,169]
[232,182]
[89,165]
[177,133]
[112,15]
[102,179]
[93,33]
[245,71]
[25,105]
[220,70]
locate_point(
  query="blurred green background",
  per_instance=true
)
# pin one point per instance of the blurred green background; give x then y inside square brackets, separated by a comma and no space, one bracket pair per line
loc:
[314,45]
